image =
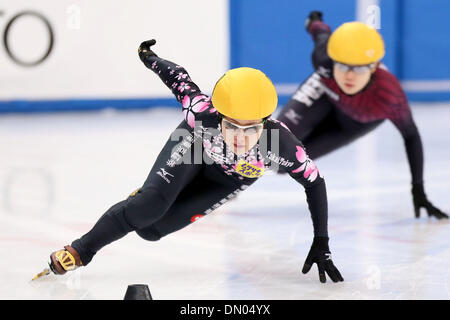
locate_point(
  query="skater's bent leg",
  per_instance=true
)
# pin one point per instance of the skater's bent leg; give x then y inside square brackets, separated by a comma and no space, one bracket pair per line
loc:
[141,209]
[200,198]
[138,211]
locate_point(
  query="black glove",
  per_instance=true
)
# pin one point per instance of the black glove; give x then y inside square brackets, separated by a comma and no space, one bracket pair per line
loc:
[313,16]
[420,201]
[144,49]
[320,254]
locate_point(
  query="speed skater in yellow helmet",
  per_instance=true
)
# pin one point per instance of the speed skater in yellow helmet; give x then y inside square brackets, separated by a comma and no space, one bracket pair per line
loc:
[355,43]
[187,182]
[348,95]
[245,94]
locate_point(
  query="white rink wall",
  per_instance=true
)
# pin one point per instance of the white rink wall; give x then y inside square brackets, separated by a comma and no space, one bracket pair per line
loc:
[98,59]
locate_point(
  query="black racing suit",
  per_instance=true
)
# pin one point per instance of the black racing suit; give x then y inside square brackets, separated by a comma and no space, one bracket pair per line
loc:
[195,173]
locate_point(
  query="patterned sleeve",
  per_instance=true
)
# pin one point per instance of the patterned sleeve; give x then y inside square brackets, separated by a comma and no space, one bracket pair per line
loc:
[393,98]
[399,112]
[300,167]
[177,79]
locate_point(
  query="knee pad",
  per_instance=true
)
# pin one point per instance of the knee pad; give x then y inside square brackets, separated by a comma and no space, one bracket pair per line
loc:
[117,213]
[145,207]
[149,233]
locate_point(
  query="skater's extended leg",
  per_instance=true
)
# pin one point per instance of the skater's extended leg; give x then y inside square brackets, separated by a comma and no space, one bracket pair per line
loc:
[142,208]
[204,194]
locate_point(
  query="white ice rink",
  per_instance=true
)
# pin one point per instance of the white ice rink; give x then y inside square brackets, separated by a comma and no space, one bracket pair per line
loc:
[60,172]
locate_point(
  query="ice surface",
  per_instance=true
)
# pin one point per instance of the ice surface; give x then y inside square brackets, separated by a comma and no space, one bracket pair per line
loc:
[60,172]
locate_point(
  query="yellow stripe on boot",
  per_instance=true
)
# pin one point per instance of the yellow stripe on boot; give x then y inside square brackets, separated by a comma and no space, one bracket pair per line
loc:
[66,259]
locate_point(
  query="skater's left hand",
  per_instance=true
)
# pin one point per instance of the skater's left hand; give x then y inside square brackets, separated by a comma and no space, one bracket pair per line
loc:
[313,16]
[420,201]
[320,254]
[144,49]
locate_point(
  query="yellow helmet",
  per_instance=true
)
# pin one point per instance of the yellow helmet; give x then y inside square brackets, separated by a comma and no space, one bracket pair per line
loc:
[355,43]
[245,94]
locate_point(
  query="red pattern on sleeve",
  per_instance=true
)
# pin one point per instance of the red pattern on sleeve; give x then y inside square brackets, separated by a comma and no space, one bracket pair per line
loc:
[383,98]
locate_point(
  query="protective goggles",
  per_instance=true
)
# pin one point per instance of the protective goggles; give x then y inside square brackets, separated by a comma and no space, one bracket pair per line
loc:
[356,69]
[248,130]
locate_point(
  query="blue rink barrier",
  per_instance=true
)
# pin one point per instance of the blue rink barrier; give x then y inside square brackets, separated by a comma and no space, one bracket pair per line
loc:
[84,104]
[270,35]
[30,106]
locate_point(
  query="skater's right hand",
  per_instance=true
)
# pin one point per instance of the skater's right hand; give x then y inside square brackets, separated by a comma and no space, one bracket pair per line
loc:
[144,49]
[320,254]
[420,200]
[313,16]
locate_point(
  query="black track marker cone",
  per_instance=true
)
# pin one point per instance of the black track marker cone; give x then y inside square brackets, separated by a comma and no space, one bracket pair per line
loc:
[138,292]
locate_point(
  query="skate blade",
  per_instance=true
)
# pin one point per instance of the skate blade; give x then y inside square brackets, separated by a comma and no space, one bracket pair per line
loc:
[45,272]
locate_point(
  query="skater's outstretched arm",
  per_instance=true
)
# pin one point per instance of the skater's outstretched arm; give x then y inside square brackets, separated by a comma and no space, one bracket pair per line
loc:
[401,116]
[320,32]
[175,77]
[294,160]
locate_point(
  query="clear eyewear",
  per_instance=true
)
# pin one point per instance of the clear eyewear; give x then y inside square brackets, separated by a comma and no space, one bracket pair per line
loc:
[248,130]
[356,69]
